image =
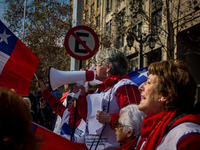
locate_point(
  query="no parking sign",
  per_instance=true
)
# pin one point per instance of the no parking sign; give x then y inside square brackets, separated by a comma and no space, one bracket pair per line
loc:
[81,42]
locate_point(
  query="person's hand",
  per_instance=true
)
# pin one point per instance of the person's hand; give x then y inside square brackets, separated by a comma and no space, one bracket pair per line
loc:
[40,86]
[76,89]
[103,117]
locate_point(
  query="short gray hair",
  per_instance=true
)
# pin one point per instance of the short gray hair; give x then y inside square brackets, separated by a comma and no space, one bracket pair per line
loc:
[116,58]
[132,118]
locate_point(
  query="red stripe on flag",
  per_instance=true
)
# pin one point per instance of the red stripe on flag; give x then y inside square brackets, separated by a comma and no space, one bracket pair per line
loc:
[54,141]
[19,69]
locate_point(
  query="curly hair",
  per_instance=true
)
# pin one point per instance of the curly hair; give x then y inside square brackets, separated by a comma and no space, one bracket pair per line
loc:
[176,82]
[16,130]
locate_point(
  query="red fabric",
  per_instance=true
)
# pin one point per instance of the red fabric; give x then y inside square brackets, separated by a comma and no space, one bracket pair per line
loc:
[55,104]
[62,99]
[19,69]
[125,95]
[154,127]
[190,142]
[59,108]
[129,145]
[195,118]
[84,147]
[82,107]
[72,117]
[54,141]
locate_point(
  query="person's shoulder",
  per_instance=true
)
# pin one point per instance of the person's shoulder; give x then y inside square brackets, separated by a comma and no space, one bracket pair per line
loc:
[175,135]
[125,82]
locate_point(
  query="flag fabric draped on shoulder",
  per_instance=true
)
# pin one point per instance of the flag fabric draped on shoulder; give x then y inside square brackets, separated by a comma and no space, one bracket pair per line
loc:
[53,140]
[17,63]
[139,76]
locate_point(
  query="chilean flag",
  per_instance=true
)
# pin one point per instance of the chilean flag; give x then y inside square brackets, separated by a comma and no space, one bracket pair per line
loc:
[53,140]
[17,63]
[138,76]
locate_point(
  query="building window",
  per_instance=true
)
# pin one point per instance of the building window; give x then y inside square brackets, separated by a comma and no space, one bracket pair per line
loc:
[98,3]
[156,20]
[107,26]
[98,20]
[133,64]
[86,2]
[86,15]
[120,41]
[140,29]
[109,5]
[154,56]
[92,9]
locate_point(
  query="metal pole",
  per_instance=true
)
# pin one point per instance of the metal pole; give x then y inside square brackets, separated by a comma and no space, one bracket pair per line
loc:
[77,18]
[24,21]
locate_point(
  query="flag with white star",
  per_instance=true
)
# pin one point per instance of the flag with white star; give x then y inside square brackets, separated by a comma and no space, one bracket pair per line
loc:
[17,63]
[139,76]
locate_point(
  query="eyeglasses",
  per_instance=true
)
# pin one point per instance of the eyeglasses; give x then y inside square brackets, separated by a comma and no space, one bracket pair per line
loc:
[98,64]
[119,125]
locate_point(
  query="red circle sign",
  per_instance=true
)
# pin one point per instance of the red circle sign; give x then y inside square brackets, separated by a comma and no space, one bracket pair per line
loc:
[81,42]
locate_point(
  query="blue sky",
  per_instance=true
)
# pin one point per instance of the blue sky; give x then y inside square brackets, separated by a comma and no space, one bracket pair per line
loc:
[2,5]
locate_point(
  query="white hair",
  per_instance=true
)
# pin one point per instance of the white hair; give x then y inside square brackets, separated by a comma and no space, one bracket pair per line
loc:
[132,118]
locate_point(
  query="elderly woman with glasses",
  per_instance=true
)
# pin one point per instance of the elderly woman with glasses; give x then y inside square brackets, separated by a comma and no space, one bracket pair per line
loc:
[128,126]
[167,98]
[115,92]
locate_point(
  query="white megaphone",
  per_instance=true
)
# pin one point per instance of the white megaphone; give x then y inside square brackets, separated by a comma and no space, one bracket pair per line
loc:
[58,78]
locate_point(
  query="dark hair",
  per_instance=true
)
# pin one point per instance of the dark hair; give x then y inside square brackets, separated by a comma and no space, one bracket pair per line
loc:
[176,82]
[16,130]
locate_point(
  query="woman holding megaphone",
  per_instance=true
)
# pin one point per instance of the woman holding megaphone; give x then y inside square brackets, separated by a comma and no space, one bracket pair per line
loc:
[101,109]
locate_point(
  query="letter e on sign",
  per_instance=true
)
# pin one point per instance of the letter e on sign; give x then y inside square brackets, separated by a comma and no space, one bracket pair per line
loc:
[81,42]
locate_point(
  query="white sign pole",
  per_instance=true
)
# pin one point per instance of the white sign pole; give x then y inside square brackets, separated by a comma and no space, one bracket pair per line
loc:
[77,15]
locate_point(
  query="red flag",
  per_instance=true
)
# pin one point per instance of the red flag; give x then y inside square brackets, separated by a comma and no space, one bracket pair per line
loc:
[54,141]
[17,62]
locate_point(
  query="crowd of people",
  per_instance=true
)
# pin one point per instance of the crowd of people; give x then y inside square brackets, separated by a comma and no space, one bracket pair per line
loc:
[117,114]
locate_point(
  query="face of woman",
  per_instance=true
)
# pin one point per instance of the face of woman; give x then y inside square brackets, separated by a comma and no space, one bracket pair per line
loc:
[151,102]
[101,71]
[121,134]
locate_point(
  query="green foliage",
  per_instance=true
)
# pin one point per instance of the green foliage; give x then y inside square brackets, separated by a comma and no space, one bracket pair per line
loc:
[46,24]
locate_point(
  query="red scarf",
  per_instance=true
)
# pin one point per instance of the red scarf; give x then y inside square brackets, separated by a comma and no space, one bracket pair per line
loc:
[129,145]
[109,83]
[153,129]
